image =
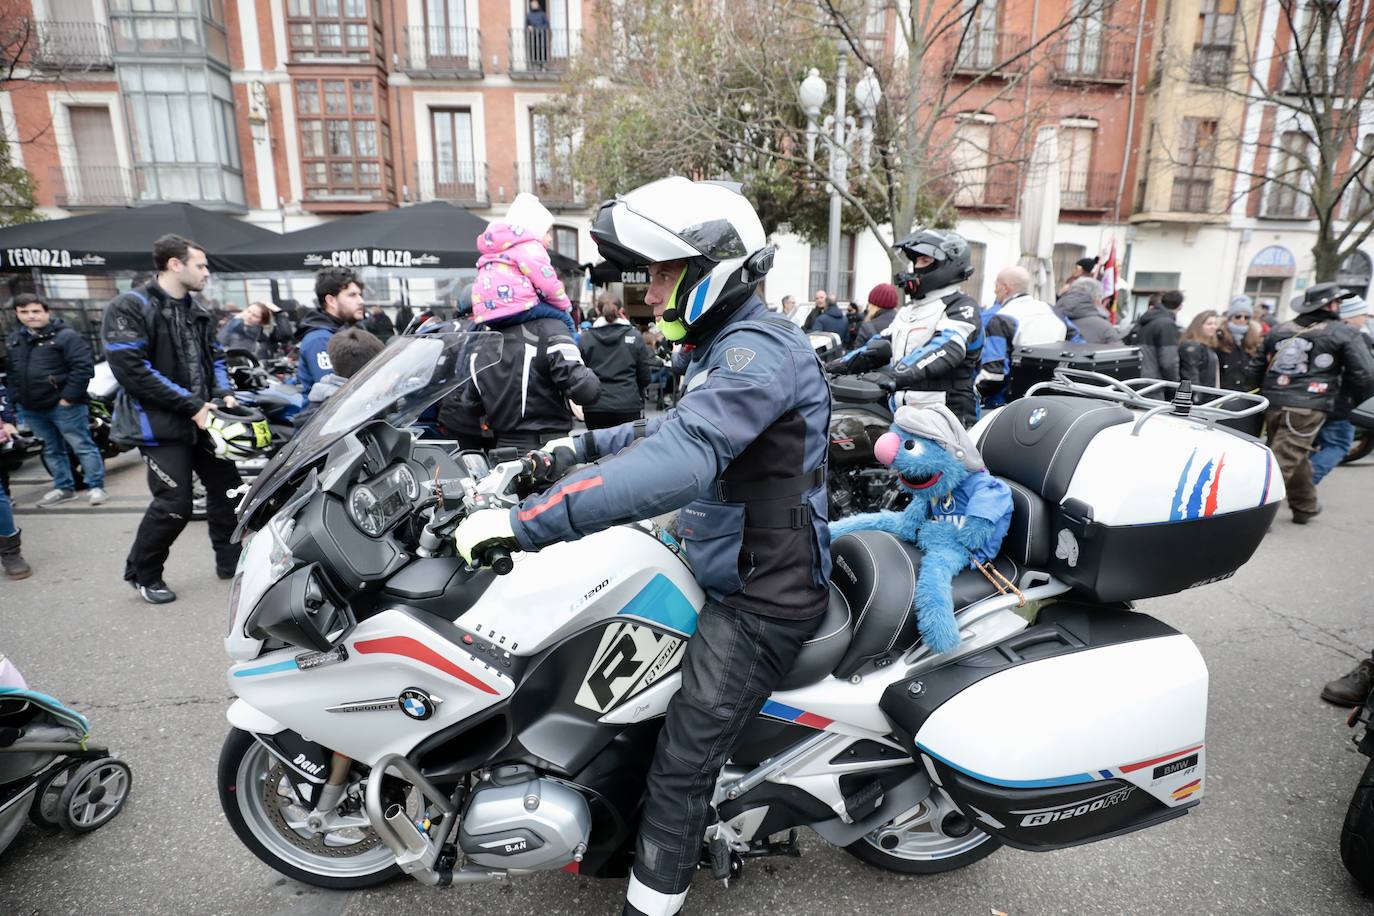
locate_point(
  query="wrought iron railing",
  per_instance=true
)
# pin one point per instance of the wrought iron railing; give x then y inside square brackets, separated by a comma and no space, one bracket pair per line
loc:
[537,51]
[456,182]
[441,51]
[94,186]
[72,46]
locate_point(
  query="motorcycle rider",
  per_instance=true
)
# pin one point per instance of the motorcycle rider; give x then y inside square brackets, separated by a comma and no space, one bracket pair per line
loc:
[339,293]
[1307,364]
[743,455]
[935,343]
[162,348]
[1017,319]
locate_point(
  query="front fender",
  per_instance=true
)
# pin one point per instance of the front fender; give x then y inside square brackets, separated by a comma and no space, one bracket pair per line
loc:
[246,718]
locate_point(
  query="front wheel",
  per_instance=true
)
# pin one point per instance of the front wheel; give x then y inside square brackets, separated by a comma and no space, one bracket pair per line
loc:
[931,838]
[256,794]
[1362,446]
[1357,834]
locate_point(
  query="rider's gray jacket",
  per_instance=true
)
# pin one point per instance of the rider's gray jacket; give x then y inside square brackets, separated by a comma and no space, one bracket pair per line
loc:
[743,456]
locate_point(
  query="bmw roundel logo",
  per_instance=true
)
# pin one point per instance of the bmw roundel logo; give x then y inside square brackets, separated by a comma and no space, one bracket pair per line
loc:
[417,704]
[1037,416]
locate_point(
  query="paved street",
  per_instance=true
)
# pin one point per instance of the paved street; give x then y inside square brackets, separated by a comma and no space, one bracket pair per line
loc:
[1281,767]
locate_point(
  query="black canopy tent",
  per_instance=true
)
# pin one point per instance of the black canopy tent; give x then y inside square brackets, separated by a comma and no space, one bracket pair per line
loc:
[435,235]
[120,240]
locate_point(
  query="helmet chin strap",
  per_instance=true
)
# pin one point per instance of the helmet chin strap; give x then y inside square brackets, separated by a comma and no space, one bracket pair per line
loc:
[671,325]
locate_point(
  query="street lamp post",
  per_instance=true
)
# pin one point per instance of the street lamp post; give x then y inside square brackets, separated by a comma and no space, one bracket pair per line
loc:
[839,132]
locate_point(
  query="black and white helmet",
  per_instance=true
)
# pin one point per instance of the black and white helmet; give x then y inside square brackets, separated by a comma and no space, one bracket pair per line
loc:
[708,224]
[952,266]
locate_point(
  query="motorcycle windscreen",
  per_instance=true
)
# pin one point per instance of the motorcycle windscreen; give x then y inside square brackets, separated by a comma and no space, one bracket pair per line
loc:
[397,385]
[1088,725]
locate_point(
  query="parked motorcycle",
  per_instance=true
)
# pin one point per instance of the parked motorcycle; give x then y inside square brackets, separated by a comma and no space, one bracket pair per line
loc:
[398,711]
[860,412]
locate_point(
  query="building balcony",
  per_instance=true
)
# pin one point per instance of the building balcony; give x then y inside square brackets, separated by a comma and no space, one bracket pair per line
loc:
[542,53]
[983,52]
[440,52]
[1092,59]
[72,46]
[1210,65]
[463,183]
[1088,191]
[987,188]
[83,186]
[552,183]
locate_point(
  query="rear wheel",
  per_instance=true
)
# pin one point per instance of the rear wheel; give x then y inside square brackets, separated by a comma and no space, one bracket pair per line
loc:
[1357,835]
[1363,445]
[256,794]
[930,838]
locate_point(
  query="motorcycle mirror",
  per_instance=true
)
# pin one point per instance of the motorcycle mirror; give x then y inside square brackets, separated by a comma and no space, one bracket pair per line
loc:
[1363,416]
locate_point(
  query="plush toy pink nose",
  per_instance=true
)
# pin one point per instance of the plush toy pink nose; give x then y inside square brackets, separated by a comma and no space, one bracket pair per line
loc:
[885,449]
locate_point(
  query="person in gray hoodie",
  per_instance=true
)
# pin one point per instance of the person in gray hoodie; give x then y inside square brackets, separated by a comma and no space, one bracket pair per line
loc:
[1079,307]
[349,350]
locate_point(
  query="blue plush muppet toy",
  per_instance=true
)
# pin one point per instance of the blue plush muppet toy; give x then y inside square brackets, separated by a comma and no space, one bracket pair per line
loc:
[958,516]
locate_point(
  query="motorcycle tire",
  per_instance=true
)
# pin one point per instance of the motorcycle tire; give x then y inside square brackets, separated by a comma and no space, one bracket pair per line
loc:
[1357,834]
[1363,445]
[235,797]
[913,845]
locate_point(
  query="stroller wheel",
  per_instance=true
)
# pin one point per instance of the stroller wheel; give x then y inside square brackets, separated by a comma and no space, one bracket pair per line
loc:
[94,794]
[47,799]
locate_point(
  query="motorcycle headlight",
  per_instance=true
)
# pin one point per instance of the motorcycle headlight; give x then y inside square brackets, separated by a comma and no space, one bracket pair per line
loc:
[266,558]
[366,511]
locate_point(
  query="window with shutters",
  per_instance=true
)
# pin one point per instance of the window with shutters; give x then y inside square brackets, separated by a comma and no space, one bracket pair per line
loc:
[334,29]
[1213,44]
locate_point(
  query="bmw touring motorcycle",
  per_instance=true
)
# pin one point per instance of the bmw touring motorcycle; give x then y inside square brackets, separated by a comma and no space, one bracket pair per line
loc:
[397,711]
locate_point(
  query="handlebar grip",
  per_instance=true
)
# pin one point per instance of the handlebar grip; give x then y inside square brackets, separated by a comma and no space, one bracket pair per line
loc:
[499,559]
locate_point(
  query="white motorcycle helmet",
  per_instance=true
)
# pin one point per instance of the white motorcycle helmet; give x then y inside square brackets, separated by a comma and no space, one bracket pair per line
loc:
[708,224]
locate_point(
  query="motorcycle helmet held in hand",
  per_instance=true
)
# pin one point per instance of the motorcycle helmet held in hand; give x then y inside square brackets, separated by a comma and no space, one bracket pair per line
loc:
[708,224]
[952,263]
[238,433]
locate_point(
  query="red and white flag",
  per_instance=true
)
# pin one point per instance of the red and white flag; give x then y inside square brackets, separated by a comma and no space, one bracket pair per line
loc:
[1109,273]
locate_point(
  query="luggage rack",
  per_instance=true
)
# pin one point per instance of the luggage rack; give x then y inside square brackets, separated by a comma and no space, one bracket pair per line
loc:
[1150,395]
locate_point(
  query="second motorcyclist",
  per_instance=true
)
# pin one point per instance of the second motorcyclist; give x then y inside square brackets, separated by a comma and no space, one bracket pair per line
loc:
[742,454]
[935,342]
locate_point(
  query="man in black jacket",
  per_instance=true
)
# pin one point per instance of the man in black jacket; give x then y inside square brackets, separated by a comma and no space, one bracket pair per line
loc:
[1308,364]
[50,366]
[1157,336]
[162,348]
[616,352]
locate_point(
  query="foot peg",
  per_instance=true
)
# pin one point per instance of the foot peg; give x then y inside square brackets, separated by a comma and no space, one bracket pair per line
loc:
[863,802]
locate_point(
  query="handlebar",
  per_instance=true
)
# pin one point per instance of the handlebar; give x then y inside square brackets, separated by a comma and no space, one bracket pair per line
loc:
[498,558]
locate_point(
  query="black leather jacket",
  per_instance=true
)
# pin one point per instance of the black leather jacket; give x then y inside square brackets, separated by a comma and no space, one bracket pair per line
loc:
[1312,360]
[168,362]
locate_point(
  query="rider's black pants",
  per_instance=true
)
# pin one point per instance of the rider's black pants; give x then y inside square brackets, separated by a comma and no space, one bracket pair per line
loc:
[169,480]
[733,662]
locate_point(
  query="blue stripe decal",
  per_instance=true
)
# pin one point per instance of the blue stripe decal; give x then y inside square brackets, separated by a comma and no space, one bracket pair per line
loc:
[1268,468]
[1176,508]
[1195,500]
[781,711]
[1072,780]
[288,665]
[126,345]
[935,343]
[698,301]
[663,603]
[1106,774]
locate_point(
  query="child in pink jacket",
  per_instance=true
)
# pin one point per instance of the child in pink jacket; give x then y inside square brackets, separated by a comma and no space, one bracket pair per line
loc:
[514,273]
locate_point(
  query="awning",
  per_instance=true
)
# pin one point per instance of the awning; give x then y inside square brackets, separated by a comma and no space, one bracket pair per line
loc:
[435,235]
[120,239]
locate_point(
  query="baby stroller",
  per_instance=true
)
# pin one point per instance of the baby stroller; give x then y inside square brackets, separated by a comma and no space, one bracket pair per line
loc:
[49,769]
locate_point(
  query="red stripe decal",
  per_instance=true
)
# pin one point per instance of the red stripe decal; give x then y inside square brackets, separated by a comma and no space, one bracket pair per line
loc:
[1131,768]
[1211,506]
[555,496]
[413,648]
[810,720]
[573,868]
[1192,785]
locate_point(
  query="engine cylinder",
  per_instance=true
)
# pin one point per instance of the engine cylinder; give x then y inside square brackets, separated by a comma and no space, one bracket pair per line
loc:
[525,823]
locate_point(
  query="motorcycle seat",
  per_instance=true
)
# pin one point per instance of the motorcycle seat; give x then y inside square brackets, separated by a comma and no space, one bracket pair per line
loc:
[827,645]
[876,572]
